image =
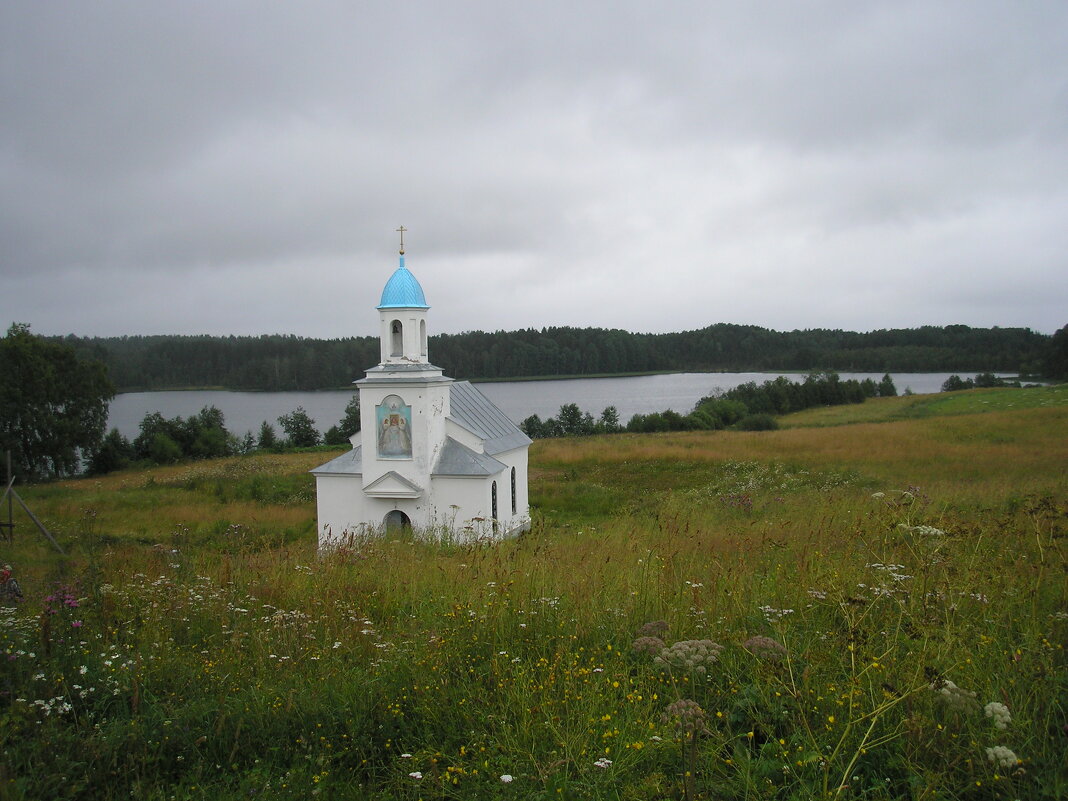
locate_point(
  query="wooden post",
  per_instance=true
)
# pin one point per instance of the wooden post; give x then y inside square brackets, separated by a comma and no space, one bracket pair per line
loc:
[11,492]
[9,526]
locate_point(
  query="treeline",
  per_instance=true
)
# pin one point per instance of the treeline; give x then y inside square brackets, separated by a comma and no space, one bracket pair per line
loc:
[984,380]
[204,435]
[749,407]
[285,362]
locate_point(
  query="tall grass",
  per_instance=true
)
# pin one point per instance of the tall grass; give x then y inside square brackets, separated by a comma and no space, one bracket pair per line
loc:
[873,589]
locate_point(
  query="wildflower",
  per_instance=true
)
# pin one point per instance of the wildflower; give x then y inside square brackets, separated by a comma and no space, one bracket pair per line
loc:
[602,763]
[1002,756]
[416,774]
[773,615]
[687,716]
[647,645]
[689,655]
[765,648]
[954,697]
[654,628]
[506,778]
[928,531]
[999,713]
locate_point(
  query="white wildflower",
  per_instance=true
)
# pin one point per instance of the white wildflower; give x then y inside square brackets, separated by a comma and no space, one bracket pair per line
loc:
[999,713]
[773,615]
[954,697]
[602,763]
[1002,756]
[687,656]
[416,774]
[506,778]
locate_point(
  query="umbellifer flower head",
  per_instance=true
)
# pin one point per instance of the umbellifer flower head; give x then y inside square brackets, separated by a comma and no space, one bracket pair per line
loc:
[647,645]
[765,648]
[687,716]
[1002,756]
[999,713]
[689,656]
[654,628]
[954,697]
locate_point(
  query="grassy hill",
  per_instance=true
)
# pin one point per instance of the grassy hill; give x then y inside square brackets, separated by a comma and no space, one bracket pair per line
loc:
[848,607]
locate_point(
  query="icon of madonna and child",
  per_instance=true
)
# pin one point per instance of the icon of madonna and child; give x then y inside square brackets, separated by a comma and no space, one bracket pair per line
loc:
[394,428]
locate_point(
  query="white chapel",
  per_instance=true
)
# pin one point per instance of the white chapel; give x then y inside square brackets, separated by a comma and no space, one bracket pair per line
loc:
[432,453]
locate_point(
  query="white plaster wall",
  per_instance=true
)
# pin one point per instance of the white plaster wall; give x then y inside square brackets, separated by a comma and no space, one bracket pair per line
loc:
[413,323]
[464,437]
[471,497]
[417,509]
[339,507]
[517,458]
[429,399]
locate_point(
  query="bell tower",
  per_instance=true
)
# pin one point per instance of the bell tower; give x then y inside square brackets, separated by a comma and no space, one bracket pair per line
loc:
[402,317]
[404,401]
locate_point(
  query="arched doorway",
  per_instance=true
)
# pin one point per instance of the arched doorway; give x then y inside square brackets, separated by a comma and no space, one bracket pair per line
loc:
[396,521]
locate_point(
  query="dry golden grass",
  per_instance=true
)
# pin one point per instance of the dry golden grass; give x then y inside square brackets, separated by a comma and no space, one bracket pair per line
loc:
[873,410]
[205,496]
[352,673]
[265,463]
[990,452]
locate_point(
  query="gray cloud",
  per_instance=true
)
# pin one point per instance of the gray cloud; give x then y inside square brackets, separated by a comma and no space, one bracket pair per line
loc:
[175,167]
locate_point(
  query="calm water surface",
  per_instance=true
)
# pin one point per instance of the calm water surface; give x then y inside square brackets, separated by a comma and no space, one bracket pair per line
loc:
[245,411]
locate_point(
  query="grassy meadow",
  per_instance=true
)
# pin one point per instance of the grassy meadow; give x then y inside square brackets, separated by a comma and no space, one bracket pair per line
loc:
[870,603]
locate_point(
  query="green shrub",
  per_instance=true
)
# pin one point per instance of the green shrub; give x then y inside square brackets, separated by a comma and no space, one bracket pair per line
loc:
[758,422]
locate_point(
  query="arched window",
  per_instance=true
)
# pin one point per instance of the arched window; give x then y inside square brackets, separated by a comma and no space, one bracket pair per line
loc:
[396,334]
[493,504]
[422,337]
[513,492]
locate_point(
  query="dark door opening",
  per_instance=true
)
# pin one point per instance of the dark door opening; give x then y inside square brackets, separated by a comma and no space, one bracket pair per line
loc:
[396,521]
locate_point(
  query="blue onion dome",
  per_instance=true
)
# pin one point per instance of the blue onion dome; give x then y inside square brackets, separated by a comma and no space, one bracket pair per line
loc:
[402,291]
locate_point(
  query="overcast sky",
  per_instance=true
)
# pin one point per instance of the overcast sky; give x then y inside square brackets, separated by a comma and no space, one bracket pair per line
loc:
[241,167]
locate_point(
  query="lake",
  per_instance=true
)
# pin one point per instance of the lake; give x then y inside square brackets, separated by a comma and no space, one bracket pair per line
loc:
[245,411]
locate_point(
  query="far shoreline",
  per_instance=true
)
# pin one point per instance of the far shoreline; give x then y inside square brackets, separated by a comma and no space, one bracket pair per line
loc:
[585,376]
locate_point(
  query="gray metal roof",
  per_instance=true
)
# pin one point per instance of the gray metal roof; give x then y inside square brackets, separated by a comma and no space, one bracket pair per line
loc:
[475,412]
[457,459]
[349,463]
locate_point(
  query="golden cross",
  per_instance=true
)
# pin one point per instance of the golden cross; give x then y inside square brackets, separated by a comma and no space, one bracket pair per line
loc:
[402,229]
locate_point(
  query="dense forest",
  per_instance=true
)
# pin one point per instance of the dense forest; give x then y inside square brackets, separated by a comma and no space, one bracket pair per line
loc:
[286,362]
